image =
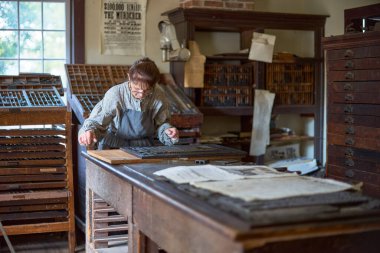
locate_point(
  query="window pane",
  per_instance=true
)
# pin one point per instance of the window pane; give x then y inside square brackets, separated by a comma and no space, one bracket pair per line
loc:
[54,45]
[8,44]
[30,15]
[31,45]
[55,67]
[8,67]
[54,16]
[30,66]
[8,15]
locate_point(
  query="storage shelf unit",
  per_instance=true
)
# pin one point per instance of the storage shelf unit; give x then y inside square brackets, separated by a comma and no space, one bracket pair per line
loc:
[188,21]
[36,177]
[353,109]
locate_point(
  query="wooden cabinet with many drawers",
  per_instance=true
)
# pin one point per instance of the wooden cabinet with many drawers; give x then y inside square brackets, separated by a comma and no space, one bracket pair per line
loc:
[353,109]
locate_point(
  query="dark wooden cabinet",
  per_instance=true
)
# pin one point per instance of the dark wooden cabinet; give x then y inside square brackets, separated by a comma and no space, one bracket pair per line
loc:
[353,133]
[189,21]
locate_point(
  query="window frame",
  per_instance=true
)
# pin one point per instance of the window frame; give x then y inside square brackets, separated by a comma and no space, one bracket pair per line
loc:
[68,34]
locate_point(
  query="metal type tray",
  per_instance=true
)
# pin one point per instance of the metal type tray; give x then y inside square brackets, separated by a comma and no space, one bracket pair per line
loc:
[179,151]
[94,79]
[31,81]
[14,98]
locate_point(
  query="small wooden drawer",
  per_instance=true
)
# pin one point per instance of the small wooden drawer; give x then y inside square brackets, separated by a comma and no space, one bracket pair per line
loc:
[356,120]
[347,64]
[352,53]
[370,189]
[352,141]
[352,163]
[355,109]
[362,154]
[354,98]
[355,131]
[354,86]
[354,75]
[352,174]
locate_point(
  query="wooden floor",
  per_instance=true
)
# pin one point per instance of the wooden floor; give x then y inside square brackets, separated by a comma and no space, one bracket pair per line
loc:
[41,243]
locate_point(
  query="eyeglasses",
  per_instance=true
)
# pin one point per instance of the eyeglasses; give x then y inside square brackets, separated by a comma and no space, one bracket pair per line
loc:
[140,88]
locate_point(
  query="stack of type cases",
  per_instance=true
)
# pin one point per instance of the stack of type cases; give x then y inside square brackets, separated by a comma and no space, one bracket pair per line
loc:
[88,84]
[293,83]
[229,85]
[36,177]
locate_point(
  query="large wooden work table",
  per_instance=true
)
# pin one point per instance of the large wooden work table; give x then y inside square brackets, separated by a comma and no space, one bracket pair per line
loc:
[165,217]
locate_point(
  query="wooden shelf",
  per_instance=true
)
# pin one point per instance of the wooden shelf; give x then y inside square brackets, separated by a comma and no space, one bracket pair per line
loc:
[291,139]
[188,21]
[227,111]
[293,109]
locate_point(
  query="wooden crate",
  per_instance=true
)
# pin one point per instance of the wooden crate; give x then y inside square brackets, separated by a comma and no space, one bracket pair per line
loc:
[293,83]
[36,173]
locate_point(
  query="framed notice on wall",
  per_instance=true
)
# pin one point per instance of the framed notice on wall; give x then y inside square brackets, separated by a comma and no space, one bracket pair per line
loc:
[123,27]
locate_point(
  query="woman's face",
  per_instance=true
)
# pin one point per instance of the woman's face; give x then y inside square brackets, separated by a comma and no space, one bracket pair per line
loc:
[140,90]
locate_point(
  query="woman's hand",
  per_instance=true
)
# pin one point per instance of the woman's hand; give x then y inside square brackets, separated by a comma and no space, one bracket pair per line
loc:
[172,133]
[88,138]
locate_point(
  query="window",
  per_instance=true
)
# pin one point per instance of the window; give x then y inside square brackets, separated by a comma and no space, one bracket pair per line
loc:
[34,37]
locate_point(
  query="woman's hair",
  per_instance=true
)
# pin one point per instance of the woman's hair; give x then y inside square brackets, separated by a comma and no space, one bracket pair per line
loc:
[144,71]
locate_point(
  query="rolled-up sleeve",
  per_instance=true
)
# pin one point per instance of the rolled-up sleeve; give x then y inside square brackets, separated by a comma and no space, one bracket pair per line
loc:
[103,114]
[162,119]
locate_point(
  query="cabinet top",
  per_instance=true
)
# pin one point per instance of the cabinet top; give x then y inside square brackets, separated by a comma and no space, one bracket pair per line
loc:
[349,40]
[221,19]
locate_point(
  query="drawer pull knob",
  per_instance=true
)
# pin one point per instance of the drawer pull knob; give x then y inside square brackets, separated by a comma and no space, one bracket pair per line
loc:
[348,53]
[349,152]
[348,108]
[350,141]
[349,119]
[348,86]
[349,173]
[349,65]
[350,130]
[349,97]
[349,76]
[349,162]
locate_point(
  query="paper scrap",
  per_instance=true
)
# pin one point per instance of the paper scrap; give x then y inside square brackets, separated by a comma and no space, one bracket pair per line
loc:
[262,112]
[199,173]
[289,185]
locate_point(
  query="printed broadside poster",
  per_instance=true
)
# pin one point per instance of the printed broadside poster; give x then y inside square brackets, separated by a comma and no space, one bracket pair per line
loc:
[123,27]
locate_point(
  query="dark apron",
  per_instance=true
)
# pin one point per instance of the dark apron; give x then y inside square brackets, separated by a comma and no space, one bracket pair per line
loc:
[135,129]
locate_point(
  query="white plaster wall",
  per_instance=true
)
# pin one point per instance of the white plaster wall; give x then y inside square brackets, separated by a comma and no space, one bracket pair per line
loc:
[152,45]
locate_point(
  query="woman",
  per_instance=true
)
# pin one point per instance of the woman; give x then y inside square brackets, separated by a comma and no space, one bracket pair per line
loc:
[131,113]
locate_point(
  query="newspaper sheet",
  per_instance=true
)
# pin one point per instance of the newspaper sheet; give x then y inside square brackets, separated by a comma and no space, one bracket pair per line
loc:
[273,187]
[199,173]
[208,172]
